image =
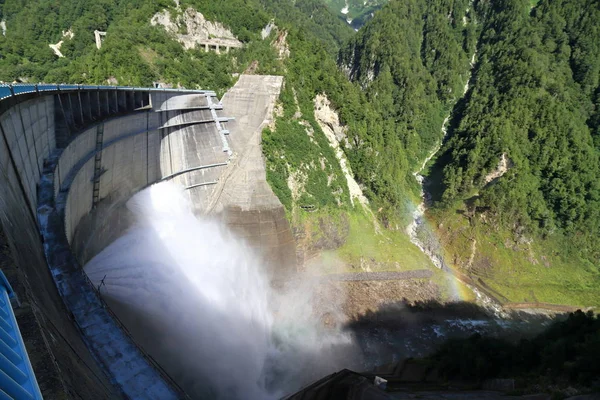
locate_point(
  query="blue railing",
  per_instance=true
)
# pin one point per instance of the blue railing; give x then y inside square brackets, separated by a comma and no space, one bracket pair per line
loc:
[8,90]
[17,380]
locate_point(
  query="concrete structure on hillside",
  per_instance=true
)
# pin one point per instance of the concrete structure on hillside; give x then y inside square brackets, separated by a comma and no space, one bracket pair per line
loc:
[245,199]
[70,157]
[99,37]
[218,45]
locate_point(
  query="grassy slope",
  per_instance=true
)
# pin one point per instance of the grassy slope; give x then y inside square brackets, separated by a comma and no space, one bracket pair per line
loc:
[531,270]
[367,249]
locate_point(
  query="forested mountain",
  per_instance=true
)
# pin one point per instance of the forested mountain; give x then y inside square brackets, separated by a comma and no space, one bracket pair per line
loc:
[522,148]
[355,12]
[533,100]
[412,61]
[134,53]
[515,185]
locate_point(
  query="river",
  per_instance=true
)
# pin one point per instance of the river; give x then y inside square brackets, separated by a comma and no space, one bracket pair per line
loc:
[422,236]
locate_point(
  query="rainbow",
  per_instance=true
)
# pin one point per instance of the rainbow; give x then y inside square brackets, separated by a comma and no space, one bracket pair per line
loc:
[420,226]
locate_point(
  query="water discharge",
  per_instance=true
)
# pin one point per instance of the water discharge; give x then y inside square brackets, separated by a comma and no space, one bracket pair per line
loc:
[198,300]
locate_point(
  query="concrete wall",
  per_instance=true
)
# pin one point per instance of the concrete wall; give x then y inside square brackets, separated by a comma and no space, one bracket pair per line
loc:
[29,131]
[69,161]
[246,202]
[130,165]
[182,141]
[241,196]
[63,364]
[31,126]
[138,150]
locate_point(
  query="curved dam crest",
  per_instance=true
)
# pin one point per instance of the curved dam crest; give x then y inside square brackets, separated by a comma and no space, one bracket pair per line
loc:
[71,158]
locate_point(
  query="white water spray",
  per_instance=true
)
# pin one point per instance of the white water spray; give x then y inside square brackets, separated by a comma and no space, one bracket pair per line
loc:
[198,301]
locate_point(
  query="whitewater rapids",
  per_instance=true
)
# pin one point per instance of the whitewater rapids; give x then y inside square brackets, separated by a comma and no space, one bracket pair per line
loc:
[198,300]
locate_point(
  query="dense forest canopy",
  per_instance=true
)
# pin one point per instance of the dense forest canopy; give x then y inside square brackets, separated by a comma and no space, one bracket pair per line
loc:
[532,70]
[533,99]
[412,80]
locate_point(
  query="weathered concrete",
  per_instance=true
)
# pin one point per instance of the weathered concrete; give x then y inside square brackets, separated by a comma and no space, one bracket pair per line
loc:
[77,351]
[61,360]
[70,159]
[190,152]
[137,151]
[244,198]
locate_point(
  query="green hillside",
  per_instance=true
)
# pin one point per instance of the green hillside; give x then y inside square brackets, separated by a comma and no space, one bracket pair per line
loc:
[355,12]
[515,189]
[515,186]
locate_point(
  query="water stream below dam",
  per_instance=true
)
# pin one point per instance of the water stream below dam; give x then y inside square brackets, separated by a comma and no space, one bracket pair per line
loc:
[198,301]
[423,236]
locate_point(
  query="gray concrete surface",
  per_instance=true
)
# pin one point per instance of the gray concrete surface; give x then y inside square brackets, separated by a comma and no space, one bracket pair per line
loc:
[187,142]
[64,366]
[137,151]
[69,161]
[243,198]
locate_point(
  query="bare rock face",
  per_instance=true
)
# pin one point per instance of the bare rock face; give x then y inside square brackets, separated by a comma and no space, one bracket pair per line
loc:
[328,116]
[164,18]
[266,32]
[55,47]
[198,30]
[280,44]
[69,34]
[503,166]
[329,121]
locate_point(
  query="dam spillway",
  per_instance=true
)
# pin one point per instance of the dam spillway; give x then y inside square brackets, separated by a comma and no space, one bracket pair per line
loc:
[71,158]
[74,160]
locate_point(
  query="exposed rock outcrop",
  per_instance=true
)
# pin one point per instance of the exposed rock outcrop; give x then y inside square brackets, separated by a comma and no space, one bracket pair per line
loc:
[280,44]
[266,32]
[329,122]
[69,34]
[55,47]
[198,31]
[501,169]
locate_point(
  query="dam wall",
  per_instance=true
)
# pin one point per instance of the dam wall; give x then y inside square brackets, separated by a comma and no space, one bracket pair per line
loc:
[71,157]
[184,146]
[63,364]
[245,201]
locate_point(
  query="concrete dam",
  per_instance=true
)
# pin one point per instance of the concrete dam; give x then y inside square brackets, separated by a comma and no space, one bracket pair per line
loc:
[72,157]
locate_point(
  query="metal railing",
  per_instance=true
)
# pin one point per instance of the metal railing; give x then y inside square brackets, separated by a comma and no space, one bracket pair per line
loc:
[15,89]
[164,374]
[17,380]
